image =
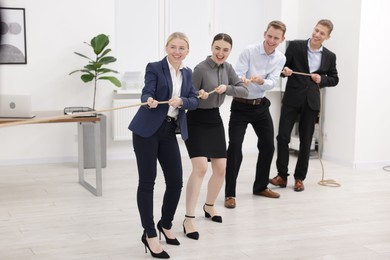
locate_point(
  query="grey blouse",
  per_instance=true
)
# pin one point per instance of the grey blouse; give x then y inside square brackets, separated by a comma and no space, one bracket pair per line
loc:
[208,75]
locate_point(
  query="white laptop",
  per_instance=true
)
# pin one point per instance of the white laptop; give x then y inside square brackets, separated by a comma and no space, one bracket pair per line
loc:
[15,106]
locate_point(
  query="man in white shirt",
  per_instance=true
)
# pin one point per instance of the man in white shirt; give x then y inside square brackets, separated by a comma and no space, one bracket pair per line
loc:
[259,66]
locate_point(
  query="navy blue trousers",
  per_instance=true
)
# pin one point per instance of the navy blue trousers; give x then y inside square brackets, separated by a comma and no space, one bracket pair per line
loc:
[162,146]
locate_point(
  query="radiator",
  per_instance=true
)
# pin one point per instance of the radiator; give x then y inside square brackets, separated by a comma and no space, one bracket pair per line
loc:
[121,118]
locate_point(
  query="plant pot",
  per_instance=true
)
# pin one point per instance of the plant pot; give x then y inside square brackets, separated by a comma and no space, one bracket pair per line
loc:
[89,143]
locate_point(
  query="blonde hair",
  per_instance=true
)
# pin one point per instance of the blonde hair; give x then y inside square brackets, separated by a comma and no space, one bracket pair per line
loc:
[178,35]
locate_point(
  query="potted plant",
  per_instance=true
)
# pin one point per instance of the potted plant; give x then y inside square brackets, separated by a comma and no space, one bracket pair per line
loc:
[95,69]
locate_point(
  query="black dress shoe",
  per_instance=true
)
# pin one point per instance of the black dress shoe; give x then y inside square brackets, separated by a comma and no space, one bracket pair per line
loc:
[171,241]
[192,235]
[214,218]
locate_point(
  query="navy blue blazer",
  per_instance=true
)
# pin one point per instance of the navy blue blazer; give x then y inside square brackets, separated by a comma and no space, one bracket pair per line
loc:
[300,88]
[158,85]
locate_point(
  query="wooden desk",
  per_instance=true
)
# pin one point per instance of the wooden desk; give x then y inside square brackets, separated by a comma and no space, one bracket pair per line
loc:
[81,123]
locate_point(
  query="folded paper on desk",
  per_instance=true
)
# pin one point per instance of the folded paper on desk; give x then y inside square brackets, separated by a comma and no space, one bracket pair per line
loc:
[75,110]
[16,106]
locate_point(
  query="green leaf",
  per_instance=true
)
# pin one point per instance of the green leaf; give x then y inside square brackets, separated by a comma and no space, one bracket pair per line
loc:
[87,77]
[93,66]
[74,72]
[106,70]
[87,43]
[99,42]
[82,55]
[106,60]
[88,72]
[104,53]
[82,70]
[113,80]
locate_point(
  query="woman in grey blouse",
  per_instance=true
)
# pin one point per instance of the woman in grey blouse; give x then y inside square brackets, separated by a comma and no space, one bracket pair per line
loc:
[206,135]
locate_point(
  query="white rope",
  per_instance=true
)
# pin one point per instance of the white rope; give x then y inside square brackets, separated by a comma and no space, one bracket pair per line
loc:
[64,117]
[323,182]
[329,182]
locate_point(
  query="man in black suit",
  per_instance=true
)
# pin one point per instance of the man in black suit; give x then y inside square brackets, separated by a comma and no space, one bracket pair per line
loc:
[309,66]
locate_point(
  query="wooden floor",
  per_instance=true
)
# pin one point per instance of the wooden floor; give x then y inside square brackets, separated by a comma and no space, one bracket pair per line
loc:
[46,214]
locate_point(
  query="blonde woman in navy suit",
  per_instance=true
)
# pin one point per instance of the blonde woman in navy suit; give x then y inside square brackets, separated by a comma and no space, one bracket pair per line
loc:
[154,138]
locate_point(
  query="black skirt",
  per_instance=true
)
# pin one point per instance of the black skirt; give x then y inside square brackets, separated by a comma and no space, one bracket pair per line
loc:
[206,134]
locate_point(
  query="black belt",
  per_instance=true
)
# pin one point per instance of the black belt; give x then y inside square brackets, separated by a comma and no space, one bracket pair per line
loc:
[170,119]
[256,101]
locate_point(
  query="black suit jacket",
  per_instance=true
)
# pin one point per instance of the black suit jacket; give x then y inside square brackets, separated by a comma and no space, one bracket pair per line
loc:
[300,88]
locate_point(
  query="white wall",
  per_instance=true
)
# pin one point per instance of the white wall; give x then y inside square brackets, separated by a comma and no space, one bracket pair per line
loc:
[372,139]
[355,111]
[339,103]
[137,41]
[200,25]
[354,120]
[55,29]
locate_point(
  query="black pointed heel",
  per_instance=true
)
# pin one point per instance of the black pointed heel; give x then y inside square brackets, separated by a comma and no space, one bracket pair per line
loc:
[171,241]
[207,215]
[163,254]
[192,235]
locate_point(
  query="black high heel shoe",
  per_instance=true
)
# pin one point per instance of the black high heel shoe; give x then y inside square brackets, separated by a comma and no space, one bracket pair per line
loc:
[171,241]
[163,254]
[192,235]
[207,215]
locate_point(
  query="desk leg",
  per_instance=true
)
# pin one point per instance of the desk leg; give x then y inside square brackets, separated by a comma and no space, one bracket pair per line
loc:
[97,191]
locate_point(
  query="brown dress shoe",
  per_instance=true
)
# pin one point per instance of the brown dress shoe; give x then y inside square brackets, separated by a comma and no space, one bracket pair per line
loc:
[230,202]
[267,193]
[278,181]
[299,185]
